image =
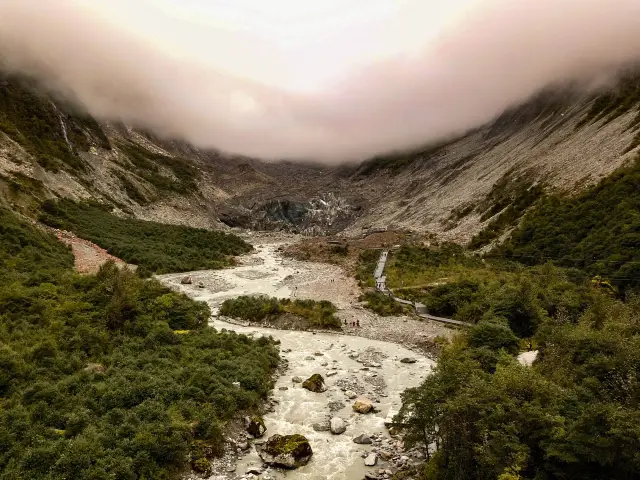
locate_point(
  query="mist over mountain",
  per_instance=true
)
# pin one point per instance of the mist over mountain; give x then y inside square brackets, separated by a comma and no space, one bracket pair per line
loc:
[464,70]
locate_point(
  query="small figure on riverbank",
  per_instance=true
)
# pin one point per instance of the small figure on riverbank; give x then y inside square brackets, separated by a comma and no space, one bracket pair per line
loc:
[358,323]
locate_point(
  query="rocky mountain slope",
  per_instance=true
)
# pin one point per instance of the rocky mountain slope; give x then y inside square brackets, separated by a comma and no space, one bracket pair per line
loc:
[49,149]
[558,141]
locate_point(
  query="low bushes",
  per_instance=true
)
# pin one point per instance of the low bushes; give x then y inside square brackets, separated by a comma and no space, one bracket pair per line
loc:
[258,308]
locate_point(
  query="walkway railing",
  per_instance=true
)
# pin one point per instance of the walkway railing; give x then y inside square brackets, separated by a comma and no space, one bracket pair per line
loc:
[381,286]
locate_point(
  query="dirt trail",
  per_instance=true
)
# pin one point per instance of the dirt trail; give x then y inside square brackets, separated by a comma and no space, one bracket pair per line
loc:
[88,257]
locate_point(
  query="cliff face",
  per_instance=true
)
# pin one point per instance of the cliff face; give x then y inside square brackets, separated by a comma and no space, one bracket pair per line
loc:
[558,141]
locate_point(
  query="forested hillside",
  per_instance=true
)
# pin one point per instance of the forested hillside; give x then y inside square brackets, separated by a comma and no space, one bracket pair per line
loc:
[574,414]
[597,230]
[153,247]
[109,375]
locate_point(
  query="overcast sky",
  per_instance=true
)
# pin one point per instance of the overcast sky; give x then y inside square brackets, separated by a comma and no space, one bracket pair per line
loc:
[332,80]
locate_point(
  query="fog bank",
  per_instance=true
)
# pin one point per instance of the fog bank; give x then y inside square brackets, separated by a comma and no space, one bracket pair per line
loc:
[475,60]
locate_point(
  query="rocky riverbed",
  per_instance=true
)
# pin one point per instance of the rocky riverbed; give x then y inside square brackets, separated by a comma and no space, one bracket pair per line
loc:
[353,368]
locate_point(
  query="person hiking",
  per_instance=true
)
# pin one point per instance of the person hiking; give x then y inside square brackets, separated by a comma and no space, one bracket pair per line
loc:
[358,323]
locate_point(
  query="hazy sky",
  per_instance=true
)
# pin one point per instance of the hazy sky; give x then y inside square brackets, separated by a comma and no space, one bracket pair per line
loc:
[295,45]
[331,79]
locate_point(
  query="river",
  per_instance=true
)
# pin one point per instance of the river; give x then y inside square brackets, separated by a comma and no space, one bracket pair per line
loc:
[372,368]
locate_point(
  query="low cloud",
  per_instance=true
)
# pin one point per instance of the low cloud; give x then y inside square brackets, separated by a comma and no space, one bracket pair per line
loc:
[490,55]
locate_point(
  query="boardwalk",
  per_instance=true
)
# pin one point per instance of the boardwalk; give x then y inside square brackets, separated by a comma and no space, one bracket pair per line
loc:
[381,286]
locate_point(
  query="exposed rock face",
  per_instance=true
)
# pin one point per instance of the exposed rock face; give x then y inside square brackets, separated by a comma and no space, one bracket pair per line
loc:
[315,383]
[286,451]
[338,427]
[363,440]
[408,360]
[255,426]
[186,280]
[362,405]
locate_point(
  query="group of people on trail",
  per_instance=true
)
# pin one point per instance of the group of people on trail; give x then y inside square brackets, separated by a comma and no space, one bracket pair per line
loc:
[354,323]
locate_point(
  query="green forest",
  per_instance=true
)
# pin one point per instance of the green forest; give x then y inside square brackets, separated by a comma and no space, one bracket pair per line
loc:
[153,247]
[453,283]
[109,375]
[565,282]
[574,414]
[597,231]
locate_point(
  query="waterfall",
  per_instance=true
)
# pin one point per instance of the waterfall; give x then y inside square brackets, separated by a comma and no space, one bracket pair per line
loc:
[63,126]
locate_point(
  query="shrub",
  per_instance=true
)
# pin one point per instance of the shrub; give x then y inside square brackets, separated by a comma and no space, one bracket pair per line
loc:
[261,307]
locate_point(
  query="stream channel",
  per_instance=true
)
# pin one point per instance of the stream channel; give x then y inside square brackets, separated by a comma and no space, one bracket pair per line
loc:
[370,368]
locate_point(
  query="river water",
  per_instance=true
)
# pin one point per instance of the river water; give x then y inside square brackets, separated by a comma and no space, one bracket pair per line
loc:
[379,375]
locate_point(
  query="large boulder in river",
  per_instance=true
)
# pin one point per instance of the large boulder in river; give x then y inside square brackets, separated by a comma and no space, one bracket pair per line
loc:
[338,426]
[315,383]
[363,405]
[408,360]
[255,426]
[286,451]
[363,440]
[186,280]
[323,426]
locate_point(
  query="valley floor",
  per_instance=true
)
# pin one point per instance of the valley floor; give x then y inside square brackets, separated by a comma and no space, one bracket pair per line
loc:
[363,360]
[270,273]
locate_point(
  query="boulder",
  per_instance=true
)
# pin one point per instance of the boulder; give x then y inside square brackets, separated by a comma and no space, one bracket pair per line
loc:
[363,440]
[324,426]
[286,451]
[351,394]
[318,354]
[186,280]
[296,380]
[362,405]
[200,285]
[371,460]
[386,456]
[332,373]
[255,426]
[408,360]
[338,426]
[315,383]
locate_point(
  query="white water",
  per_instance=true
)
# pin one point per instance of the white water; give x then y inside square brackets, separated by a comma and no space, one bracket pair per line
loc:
[63,126]
[335,457]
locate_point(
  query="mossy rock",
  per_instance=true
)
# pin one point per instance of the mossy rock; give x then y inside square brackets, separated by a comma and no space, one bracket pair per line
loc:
[315,383]
[202,466]
[286,451]
[255,426]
